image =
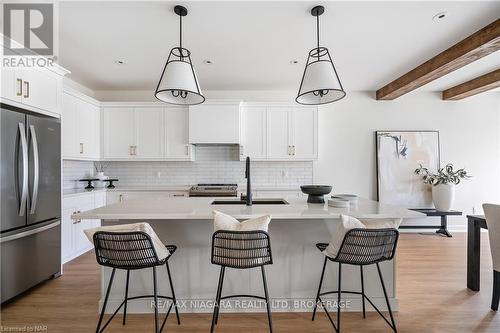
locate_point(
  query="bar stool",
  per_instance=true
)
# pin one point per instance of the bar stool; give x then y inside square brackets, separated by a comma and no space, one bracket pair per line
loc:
[241,250]
[360,247]
[131,251]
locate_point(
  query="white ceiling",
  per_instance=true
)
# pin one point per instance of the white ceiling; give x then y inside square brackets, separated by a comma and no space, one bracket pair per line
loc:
[252,43]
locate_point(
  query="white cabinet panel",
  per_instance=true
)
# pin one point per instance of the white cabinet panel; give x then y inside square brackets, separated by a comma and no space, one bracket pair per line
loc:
[118,132]
[69,125]
[254,133]
[177,134]
[40,89]
[80,128]
[148,126]
[214,123]
[11,84]
[278,133]
[88,129]
[304,133]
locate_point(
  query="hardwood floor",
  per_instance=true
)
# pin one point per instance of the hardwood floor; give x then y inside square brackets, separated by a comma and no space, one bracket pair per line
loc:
[431,287]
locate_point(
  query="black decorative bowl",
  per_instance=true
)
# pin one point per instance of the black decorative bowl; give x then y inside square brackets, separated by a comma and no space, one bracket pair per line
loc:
[316,192]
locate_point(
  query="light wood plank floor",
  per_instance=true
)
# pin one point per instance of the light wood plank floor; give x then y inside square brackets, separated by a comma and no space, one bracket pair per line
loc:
[431,286]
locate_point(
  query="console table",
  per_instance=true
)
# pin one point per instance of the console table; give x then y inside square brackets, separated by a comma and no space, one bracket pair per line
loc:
[442,229]
[474,225]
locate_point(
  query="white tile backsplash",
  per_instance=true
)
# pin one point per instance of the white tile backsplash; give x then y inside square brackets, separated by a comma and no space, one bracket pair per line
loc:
[214,164]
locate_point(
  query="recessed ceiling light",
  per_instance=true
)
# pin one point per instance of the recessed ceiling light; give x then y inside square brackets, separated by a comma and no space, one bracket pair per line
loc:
[294,62]
[440,16]
[208,62]
[119,62]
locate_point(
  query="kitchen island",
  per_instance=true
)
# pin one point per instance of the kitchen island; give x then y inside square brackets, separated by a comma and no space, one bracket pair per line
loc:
[293,278]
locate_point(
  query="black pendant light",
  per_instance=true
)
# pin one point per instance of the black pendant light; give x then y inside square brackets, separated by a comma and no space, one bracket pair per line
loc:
[178,83]
[320,83]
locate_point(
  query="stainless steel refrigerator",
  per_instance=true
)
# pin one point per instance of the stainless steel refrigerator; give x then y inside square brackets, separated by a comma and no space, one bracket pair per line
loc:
[30,196]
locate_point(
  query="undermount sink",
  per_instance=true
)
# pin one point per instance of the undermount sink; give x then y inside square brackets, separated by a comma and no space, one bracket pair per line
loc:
[254,201]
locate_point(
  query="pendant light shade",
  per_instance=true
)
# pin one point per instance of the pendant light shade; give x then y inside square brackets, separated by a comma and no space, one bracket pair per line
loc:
[178,83]
[320,82]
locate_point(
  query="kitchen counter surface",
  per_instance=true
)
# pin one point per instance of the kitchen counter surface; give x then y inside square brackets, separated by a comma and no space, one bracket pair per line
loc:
[201,209]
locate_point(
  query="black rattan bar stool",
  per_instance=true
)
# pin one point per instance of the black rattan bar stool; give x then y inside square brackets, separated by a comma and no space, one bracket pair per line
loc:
[131,251]
[360,247]
[241,250]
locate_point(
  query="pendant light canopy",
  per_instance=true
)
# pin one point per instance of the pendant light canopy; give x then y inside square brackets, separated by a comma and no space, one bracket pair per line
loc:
[178,83]
[320,83]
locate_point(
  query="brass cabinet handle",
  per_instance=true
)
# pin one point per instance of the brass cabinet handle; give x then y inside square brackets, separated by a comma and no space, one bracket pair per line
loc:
[242,150]
[293,150]
[19,87]
[81,148]
[130,150]
[135,150]
[27,93]
[187,150]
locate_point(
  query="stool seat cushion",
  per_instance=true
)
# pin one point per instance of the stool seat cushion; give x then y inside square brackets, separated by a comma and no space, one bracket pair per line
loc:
[346,223]
[161,250]
[227,222]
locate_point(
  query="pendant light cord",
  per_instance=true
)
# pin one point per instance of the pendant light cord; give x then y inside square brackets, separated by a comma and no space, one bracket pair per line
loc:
[180,36]
[317,32]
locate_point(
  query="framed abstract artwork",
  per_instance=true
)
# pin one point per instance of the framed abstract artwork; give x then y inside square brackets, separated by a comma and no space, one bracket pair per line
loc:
[399,153]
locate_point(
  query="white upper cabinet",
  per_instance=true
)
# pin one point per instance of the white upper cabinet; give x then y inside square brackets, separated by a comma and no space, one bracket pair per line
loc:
[38,89]
[118,133]
[279,133]
[217,123]
[177,134]
[253,133]
[148,133]
[80,127]
[304,133]
[145,133]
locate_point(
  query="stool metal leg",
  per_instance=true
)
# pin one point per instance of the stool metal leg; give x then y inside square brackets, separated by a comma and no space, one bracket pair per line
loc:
[386,298]
[220,296]
[362,290]
[268,306]
[98,329]
[338,299]
[126,297]
[173,294]
[217,298]
[319,288]
[155,293]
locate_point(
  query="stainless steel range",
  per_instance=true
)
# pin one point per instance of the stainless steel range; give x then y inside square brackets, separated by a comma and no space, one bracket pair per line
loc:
[214,190]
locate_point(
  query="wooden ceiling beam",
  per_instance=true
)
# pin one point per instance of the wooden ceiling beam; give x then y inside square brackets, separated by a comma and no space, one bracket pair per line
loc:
[479,44]
[475,86]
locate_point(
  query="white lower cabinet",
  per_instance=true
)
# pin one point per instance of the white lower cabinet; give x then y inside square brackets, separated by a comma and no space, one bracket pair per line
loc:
[74,241]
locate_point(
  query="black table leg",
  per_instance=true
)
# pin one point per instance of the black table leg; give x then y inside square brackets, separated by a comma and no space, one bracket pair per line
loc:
[473,255]
[444,227]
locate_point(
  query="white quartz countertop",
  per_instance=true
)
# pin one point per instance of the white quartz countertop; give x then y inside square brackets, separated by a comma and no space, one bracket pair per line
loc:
[202,208]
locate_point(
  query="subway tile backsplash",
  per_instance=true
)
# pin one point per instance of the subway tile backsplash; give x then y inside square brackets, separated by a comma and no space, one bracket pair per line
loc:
[214,164]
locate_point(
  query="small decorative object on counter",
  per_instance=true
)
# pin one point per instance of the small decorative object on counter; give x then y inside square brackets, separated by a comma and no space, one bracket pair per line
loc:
[111,180]
[443,184]
[338,203]
[351,198]
[89,181]
[316,192]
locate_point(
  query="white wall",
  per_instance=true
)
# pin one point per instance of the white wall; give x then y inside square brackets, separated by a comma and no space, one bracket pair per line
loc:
[469,137]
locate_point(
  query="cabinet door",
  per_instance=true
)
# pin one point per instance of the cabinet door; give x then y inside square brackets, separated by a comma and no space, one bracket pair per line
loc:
[254,133]
[88,129]
[81,241]
[148,125]
[117,132]
[304,133]
[67,245]
[278,133]
[11,84]
[177,134]
[69,127]
[41,89]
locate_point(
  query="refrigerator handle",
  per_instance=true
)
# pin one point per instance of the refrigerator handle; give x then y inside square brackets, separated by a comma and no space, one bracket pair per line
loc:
[24,191]
[36,171]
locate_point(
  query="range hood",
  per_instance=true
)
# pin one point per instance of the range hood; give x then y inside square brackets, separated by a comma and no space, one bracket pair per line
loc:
[215,123]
